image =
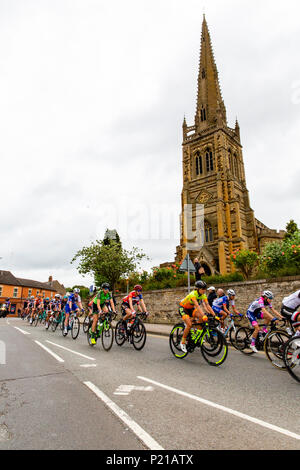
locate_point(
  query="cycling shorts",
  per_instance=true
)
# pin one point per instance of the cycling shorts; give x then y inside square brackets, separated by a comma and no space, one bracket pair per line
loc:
[183,311]
[217,310]
[74,307]
[253,317]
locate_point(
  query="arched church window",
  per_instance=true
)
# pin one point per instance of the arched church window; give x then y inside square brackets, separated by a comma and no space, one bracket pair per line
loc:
[209,236]
[209,161]
[199,166]
[203,114]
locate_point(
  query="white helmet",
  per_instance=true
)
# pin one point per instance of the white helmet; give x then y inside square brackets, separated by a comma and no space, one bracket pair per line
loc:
[211,288]
[230,292]
[76,290]
[268,294]
[57,295]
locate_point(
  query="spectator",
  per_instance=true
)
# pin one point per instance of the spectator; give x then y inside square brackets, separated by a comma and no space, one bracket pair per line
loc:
[212,295]
[199,270]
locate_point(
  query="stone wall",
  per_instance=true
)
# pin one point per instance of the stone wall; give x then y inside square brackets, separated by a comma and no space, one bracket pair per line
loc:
[163,304]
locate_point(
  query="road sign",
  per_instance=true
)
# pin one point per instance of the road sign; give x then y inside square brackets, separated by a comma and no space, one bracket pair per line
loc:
[187,265]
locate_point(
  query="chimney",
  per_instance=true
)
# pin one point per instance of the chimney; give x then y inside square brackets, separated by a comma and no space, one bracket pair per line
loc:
[50,279]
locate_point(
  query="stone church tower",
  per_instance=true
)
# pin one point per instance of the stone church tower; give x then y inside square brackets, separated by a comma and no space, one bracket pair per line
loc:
[214,175]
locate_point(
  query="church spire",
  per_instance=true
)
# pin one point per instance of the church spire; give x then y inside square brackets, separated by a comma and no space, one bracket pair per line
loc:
[210,106]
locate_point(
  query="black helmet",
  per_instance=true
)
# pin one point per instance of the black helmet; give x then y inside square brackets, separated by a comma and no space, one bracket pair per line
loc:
[105,285]
[200,285]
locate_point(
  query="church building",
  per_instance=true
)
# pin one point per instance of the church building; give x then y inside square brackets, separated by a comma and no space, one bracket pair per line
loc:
[214,176]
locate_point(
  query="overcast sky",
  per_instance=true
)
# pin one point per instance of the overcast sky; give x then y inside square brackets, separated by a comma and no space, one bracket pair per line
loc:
[92,100]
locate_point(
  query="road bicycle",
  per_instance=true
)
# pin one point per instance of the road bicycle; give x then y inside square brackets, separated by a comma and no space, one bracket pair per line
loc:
[271,342]
[73,325]
[291,357]
[209,340]
[135,332]
[231,329]
[39,317]
[104,330]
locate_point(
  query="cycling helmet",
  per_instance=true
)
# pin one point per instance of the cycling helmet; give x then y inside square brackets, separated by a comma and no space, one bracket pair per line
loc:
[105,285]
[138,287]
[57,295]
[230,292]
[65,296]
[47,298]
[268,294]
[32,296]
[76,290]
[200,285]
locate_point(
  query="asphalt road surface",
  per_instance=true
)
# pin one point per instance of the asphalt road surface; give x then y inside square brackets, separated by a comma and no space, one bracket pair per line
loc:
[59,393]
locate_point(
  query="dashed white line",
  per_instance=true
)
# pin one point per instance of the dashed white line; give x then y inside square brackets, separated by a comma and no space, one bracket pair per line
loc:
[136,428]
[223,408]
[22,331]
[71,350]
[59,359]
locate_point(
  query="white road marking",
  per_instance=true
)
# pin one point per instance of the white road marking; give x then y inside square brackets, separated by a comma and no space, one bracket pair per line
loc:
[126,389]
[136,428]
[59,359]
[22,331]
[88,365]
[70,350]
[226,410]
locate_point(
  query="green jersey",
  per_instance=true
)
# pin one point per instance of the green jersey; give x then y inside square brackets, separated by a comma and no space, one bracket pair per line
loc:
[104,298]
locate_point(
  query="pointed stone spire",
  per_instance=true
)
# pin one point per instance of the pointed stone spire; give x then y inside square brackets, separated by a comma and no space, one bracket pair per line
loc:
[210,105]
[184,128]
[237,129]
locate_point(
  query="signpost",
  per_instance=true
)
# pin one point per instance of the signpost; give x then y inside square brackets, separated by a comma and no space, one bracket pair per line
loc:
[187,266]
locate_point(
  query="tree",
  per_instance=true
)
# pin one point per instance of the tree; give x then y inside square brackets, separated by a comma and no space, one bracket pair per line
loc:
[245,261]
[108,261]
[291,229]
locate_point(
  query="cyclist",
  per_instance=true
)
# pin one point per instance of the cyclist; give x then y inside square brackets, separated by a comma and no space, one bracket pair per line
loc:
[55,307]
[135,297]
[30,306]
[257,310]
[222,304]
[71,306]
[290,305]
[37,305]
[189,308]
[7,306]
[100,305]
[47,308]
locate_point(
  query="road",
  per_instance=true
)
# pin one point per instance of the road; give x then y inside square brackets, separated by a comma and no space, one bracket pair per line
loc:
[59,393]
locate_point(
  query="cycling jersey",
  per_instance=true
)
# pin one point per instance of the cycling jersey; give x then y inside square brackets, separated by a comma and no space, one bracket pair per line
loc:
[134,297]
[218,303]
[104,298]
[73,301]
[292,302]
[254,310]
[189,301]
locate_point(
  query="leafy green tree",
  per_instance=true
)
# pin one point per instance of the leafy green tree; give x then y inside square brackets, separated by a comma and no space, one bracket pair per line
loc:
[291,229]
[107,262]
[245,261]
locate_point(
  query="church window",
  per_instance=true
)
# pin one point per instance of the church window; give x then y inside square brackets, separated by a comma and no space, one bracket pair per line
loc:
[203,114]
[209,237]
[209,161]
[199,166]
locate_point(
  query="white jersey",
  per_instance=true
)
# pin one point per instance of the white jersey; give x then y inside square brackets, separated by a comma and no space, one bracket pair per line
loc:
[292,301]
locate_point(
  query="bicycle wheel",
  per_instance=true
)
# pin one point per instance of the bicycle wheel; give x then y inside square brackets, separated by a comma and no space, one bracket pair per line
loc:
[36,320]
[54,324]
[139,336]
[75,327]
[120,334]
[86,323]
[274,347]
[217,356]
[175,340]
[243,340]
[291,357]
[107,336]
[211,341]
